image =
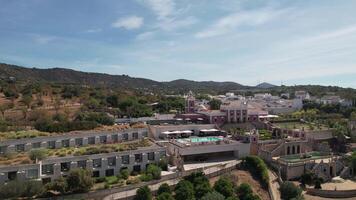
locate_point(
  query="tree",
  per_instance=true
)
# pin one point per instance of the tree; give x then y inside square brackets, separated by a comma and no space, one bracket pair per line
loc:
[244,192]
[33,188]
[165,196]
[317,183]
[113,101]
[224,186]
[289,191]
[215,104]
[15,189]
[164,188]
[79,180]
[213,196]
[143,193]
[59,185]
[124,173]
[154,170]
[184,191]
[38,154]
[27,100]
[307,178]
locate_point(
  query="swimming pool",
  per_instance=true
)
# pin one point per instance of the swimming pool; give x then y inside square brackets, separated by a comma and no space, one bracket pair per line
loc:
[200,139]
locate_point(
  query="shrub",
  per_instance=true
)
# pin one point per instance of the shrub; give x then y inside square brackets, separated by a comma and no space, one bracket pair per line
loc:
[124,173]
[111,180]
[133,181]
[224,186]
[79,180]
[244,192]
[289,191]
[257,167]
[154,170]
[165,196]
[146,177]
[184,190]
[213,196]
[38,154]
[59,185]
[163,164]
[15,189]
[164,188]
[317,183]
[143,193]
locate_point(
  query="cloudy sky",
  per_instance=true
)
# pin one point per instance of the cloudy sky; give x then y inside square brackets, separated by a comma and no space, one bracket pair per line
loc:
[246,41]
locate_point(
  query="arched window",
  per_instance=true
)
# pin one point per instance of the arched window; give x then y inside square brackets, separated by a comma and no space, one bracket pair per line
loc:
[293,150]
[288,150]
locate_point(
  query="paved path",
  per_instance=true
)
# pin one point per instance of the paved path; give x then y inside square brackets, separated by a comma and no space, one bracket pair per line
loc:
[274,185]
[130,193]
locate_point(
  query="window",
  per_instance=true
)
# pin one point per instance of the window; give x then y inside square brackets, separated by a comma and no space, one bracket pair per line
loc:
[138,157]
[125,159]
[96,174]
[82,164]
[36,145]
[135,135]
[32,173]
[78,142]
[47,169]
[151,156]
[20,147]
[125,136]
[115,138]
[91,140]
[65,166]
[112,161]
[65,143]
[103,139]
[145,134]
[97,162]
[162,154]
[2,149]
[109,172]
[51,144]
[12,175]
[137,168]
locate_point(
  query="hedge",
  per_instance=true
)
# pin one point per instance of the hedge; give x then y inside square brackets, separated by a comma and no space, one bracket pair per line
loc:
[257,167]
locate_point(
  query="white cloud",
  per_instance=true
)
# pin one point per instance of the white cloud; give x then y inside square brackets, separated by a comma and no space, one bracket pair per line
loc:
[162,8]
[235,20]
[168,16]
[42,39]
[145,35]
[174,24]
[95,30]
[129,23]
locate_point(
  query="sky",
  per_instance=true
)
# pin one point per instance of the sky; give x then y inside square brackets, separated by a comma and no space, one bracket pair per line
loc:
[246,41]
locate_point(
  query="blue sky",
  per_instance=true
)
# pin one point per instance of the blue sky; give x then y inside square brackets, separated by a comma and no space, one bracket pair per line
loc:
[246,41]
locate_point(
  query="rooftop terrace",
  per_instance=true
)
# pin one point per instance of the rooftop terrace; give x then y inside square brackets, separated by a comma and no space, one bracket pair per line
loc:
[34,133]
[24,158]
[301,126]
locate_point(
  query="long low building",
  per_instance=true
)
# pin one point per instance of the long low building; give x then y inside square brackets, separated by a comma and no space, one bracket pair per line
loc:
[101,164]
[72,139]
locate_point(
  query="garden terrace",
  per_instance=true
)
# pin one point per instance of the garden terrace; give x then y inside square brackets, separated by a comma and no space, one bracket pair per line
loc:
[25,134]
[24,158]
[98,149]
[296,158]
[15,159]
[303,126]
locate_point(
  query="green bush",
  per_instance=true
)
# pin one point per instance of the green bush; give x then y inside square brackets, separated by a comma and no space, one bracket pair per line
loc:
[143,193]
[111,180]
[290,191]
[38,154]
[224,186]
[165,196]
[184,190]
[213,196]
[164,188]
[257,167]
[146,177]
[16,189]
[79,180]
[154,170]
[124,173]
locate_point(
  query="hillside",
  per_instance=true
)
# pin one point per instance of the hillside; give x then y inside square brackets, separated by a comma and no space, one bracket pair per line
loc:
[265,85]
[69,76]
